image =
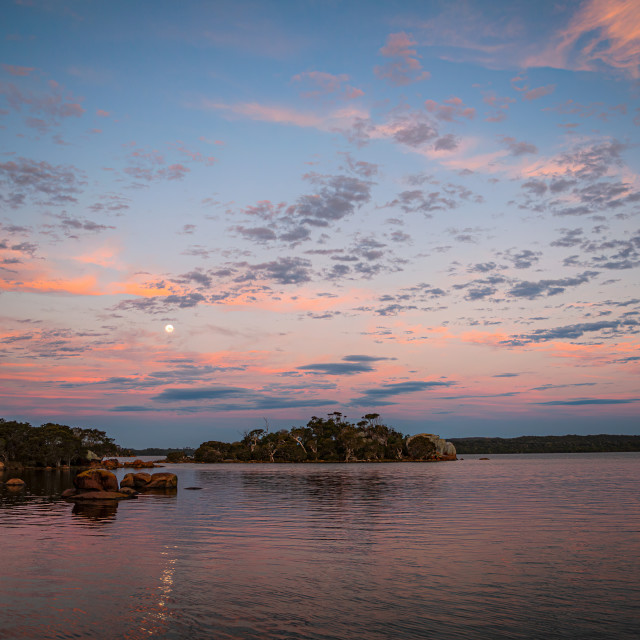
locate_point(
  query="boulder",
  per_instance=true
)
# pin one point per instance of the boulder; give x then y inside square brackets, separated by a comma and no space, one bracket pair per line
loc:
[16,482]
[139,464]
[67,493]
[96,480]
[428,446]
[145,482]
[135,480]
[163,481]
[128,491]
[110,464]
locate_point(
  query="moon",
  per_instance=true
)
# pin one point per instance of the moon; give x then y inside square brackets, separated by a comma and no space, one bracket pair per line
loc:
[169,328]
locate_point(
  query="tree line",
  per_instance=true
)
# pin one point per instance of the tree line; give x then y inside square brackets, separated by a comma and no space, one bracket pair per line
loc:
[330,439]
[51,444]
[548,444]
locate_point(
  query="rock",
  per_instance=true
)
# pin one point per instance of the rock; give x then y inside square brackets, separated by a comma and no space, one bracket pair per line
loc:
[139,464]
[1,465]
[145,482]
[100,495]
[16,482]
[162,481]
[110,464]
[135,480]
[128,491]
[484,458]
[96,480]
[428,446]
[192,488]
[67,493]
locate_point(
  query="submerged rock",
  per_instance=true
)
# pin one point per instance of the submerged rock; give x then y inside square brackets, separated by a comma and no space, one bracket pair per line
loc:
[16,482]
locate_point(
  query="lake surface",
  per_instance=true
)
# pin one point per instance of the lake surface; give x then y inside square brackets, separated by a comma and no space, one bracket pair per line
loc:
[519,546]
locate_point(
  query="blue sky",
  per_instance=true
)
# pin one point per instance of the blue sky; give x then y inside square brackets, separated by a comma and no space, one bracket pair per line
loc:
[427,210]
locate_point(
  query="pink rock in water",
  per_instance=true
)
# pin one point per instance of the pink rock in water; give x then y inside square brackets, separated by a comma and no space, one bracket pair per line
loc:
[96,480]
[163,481]
[135,480]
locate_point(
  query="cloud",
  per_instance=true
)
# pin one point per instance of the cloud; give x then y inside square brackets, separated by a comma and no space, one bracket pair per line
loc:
[16,70]
[359,358]
[338,368]
[177,394]
[57,184]
[517,148]
[404,67]
[54,103]
[574,331]
[499,104]
[600,34]
[588,401]
[282,270]
[539,92]
[244,399]
[531,290]
[337,197]
[72,226]
[335,120]
[595,35]
[321,83]
[522,259]
[410,128]
[449,110]
[401,388]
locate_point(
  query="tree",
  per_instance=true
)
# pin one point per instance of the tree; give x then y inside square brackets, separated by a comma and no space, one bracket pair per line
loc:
[95,441]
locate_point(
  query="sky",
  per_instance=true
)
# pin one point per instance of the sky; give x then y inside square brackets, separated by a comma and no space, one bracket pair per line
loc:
[426,210]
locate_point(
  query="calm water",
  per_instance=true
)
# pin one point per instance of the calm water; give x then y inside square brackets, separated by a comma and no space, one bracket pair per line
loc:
[544,546]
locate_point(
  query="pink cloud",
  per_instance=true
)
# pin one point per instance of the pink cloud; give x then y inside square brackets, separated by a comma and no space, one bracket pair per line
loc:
[600,32]
[195,156]
[534,94]
[103,114]
[334,120]
[450,109]
[404,68]
[85,286]
[323,83]
[53,103]
[17,71]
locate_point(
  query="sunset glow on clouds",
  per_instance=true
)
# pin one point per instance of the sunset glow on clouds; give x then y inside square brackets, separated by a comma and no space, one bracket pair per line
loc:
[427,210]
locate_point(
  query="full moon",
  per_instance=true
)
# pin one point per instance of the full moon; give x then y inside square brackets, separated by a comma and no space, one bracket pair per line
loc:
[169,328]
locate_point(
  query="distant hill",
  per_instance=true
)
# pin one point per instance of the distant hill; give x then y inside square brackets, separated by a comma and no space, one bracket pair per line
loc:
[548,444]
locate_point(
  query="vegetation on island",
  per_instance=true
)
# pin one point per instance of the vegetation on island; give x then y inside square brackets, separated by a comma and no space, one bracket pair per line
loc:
[331,439]
[52,445]
[185,452]
[548,444]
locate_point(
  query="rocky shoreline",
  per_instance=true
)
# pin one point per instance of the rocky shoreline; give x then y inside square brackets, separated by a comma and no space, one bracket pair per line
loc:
[100,484]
